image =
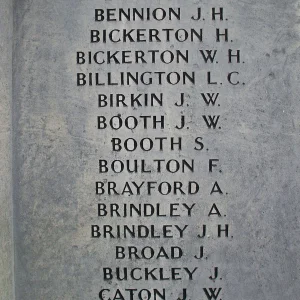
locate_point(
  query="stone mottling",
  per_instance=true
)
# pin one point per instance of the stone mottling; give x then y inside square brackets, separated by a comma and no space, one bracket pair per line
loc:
[6,246]
[56,147]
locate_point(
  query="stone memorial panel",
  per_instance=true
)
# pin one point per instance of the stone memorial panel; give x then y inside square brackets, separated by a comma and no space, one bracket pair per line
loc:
[153,150]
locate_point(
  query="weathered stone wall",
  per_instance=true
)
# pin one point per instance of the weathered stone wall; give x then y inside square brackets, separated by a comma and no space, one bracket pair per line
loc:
[57,147]
[6,220]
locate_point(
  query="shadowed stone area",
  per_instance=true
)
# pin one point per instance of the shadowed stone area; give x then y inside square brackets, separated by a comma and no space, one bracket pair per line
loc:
[63,124]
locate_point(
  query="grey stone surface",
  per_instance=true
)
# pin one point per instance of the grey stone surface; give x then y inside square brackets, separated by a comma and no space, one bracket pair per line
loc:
[6,246]
[56,147]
